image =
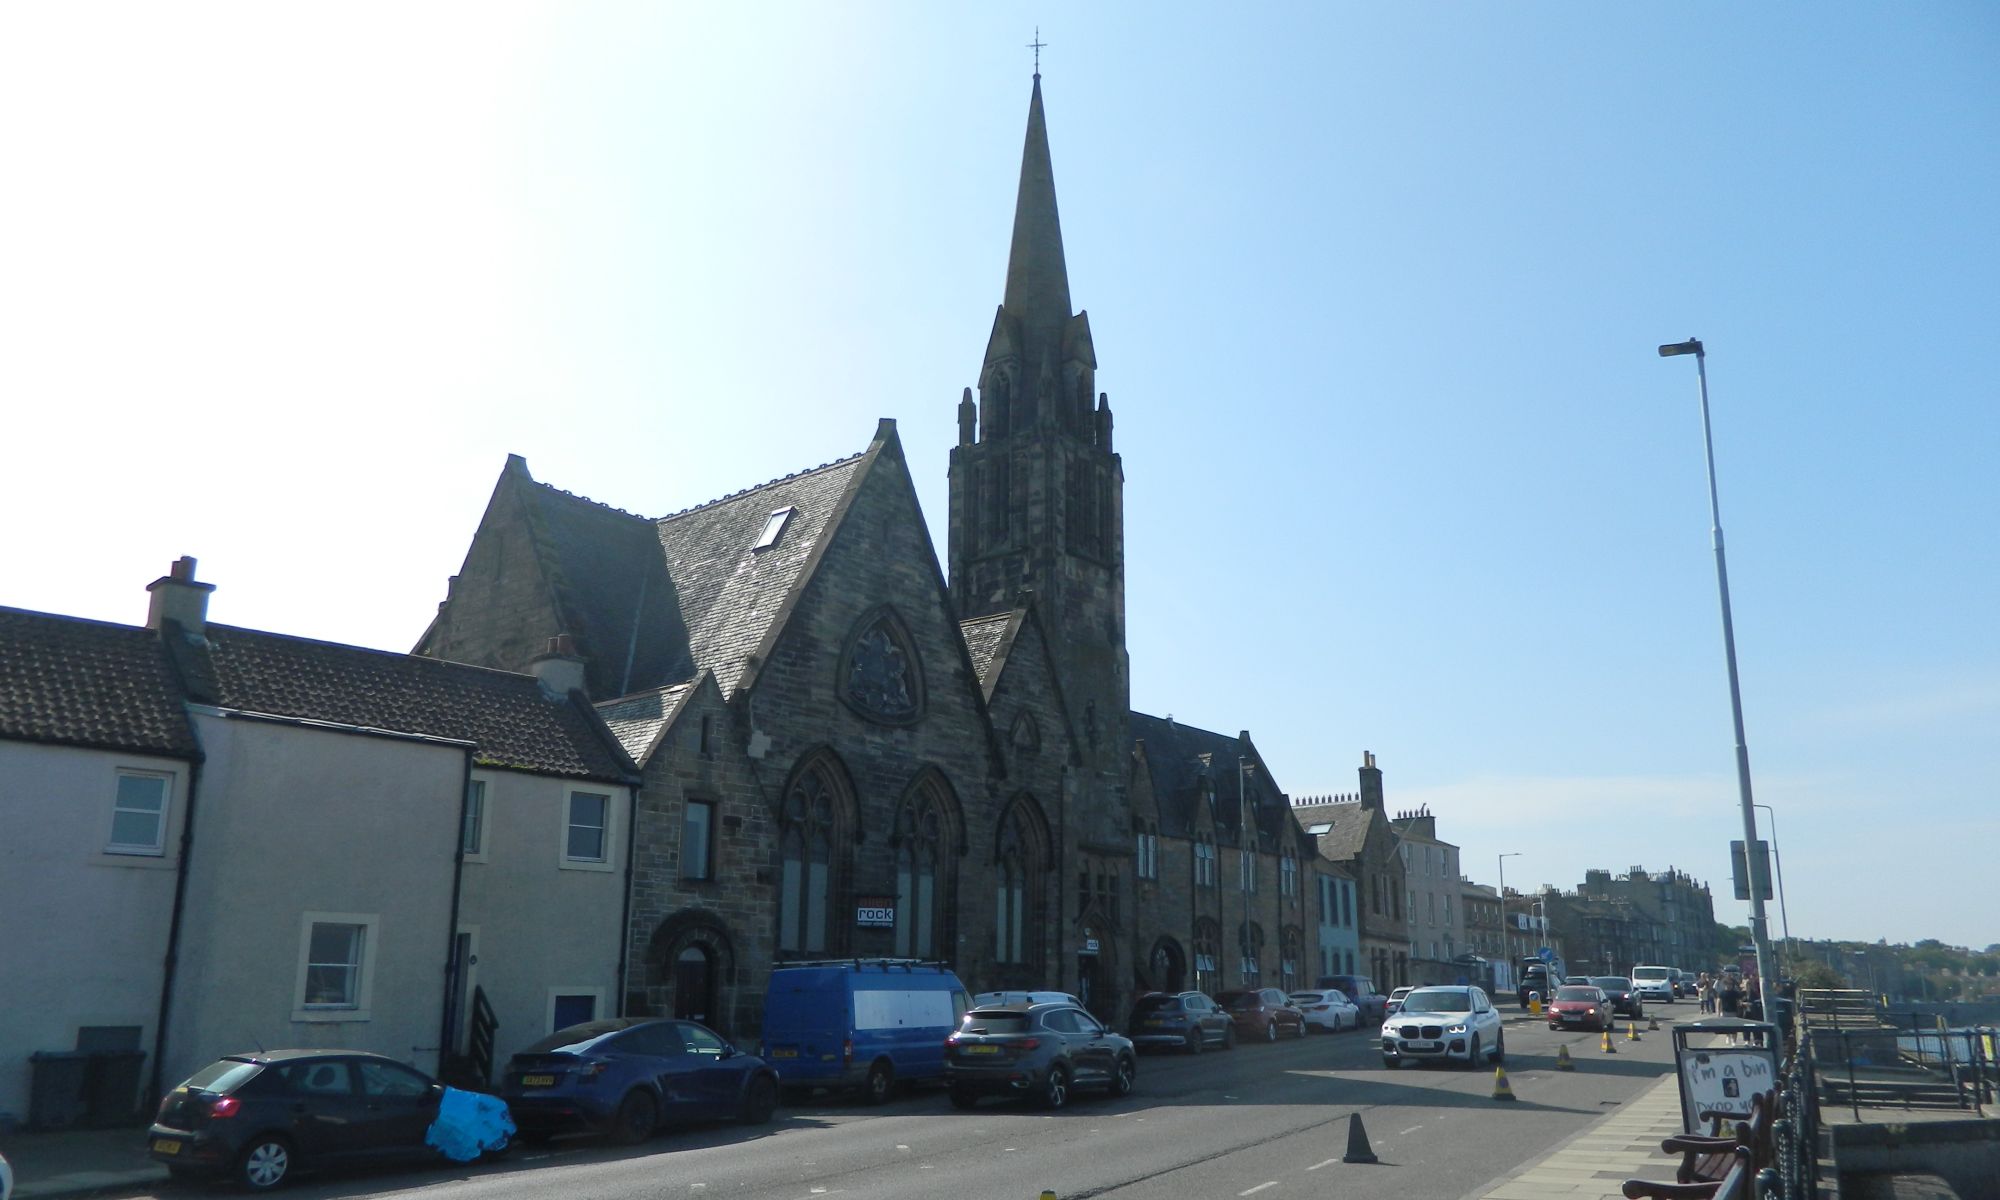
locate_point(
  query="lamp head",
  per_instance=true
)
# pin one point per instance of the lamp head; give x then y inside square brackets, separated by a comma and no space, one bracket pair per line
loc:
[1675,349]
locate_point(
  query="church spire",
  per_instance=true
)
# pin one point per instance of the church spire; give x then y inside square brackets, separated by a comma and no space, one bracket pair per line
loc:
[1037,280]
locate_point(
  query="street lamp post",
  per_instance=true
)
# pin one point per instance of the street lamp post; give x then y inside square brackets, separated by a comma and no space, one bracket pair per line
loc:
[1784,915]
[1506,951]
[1759,929]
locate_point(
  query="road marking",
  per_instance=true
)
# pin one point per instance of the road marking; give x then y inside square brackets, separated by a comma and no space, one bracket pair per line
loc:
[902,1147]
[1407,1132]
[1260,1187]
[1316,1166]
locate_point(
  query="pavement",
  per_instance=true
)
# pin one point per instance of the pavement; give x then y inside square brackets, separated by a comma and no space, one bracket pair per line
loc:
[79,1162]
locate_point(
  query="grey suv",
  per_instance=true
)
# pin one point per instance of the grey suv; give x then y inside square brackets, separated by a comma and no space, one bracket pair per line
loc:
[1040,1051]
[1179,1021]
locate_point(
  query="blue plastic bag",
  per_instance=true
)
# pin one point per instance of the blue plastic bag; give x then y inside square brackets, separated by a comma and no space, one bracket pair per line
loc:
[469,1124]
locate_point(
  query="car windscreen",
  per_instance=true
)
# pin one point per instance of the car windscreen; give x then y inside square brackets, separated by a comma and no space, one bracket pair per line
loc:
[1148,1004]
[1613,983]
[1651,973]
[1437,1000]
[994,1021]
[1576,993]
[224,1076]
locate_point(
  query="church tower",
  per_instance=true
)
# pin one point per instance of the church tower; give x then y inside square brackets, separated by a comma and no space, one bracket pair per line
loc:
[1037,495]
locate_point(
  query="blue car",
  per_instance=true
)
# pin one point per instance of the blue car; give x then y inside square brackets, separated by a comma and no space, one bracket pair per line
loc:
[628,1076]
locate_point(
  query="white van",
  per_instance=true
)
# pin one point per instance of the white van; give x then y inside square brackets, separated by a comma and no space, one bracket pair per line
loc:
[1653,983]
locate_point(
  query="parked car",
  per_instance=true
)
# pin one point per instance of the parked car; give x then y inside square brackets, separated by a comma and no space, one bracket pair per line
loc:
[1037,1051]
[1448,1023]
[1654,983]
[1183,1020]
[1360,989]
[1578,1007]
[1003,999]
[1395,1000]
[627,1076]
[860,1023]
[1618,989]
[1329,1010]
[1535,980]
[264,1117]
[1262,1013]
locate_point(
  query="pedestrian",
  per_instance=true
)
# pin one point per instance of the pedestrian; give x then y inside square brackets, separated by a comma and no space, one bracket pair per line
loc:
[1731,996]
[1705,991]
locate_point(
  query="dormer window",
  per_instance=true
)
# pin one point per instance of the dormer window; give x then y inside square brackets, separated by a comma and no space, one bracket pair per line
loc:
[774,528]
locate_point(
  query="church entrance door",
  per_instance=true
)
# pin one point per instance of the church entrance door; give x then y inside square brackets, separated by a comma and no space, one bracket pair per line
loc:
[1089,982]
[694,985]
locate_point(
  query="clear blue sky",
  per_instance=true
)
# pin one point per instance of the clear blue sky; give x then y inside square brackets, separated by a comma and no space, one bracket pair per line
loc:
[1375,290]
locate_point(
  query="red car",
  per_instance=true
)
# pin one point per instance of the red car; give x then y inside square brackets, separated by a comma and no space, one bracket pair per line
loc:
[1577,1007]
[1262,1013]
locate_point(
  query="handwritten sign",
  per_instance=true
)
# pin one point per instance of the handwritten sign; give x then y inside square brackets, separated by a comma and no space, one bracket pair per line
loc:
[1723,1079]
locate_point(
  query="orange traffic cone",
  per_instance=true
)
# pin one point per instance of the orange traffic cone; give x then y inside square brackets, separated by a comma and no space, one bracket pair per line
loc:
[1500,1089]
[1563,1062]
[1607,1047]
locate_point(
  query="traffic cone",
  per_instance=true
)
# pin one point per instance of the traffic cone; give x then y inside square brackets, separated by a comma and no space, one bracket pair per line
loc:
[1632,1031]
[1652,1024]
[1607,1047]
[1048,1195]
[1500,1089]
[1563,1062]
[1357,1142]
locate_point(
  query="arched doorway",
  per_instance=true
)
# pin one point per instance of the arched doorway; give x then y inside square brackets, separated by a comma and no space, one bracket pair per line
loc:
[1166,966]
[694,984]
[691,971]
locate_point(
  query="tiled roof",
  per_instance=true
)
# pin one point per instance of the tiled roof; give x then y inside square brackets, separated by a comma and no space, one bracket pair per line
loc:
[636,720]
[983,638]
[730,594]
[88,683]
[1173,757]
[611,583]
[511,720]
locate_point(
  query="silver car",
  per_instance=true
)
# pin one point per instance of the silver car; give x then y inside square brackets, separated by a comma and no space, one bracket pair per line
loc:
[1448,1023]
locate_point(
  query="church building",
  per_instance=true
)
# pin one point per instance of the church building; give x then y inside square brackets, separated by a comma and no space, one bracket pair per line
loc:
[844,751]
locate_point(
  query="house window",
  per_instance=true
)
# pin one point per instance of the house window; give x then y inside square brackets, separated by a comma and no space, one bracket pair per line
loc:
[473,840]
[922,864]
[811,825]
[139,814]
[1288,875]
[707,735]
[1149,853]
[697,840]
[586,839]
[1019,860]
[1204,862]
[774,528]
[336,961]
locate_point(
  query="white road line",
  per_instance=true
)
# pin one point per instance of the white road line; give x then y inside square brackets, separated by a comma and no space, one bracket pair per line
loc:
[1316,1166]
[1260,1187]
[1407,1132]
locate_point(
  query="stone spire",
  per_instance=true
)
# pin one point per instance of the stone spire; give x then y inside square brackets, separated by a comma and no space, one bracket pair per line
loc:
[1037,279]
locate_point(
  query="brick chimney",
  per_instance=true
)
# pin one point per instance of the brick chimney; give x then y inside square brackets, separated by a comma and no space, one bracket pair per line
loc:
[559,668]
[178,598]
[1371,781]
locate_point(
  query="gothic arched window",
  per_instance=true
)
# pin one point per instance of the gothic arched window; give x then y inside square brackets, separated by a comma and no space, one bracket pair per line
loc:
[812,839]
[1291,948]
[924,886]
[1207,952]
[1018,870]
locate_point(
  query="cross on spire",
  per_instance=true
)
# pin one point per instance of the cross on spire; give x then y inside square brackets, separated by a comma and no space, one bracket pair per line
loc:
[1036,46]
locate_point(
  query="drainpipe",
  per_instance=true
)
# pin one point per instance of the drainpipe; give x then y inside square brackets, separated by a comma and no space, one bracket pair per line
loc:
[625,908]
[448,1018]
[154,1089]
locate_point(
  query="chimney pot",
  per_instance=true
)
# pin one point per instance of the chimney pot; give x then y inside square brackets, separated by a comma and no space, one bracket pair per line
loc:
[177,597]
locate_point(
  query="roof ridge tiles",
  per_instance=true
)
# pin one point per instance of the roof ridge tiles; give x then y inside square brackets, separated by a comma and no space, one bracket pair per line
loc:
[738,495]
[582,499]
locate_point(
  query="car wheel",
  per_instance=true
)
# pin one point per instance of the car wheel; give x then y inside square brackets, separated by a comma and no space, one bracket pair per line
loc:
[1500,1047]
[1055,1089]
[1302,1028]
[265,1163]
[638,1114]
[1271,1030]
[1123,1075]
[760,1101]
[1196,1043]
[499,1150]
[881,1081]
[1472,1052]
[964,1098]
[1391,1064]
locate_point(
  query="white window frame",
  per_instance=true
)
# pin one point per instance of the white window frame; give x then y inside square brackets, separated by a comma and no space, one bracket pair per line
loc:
[549,1009]
[608,862]
[480,821]
[134,849]
[364,985]
[774,528]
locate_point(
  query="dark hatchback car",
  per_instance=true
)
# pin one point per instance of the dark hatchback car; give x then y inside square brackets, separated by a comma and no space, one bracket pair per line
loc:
[262,1117]
[1263,1013]
[1618,990]
[629,1075]
[1043,1052]
[1181,1021]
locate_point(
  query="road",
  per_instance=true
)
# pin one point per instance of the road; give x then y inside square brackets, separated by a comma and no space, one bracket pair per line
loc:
[1262,1120]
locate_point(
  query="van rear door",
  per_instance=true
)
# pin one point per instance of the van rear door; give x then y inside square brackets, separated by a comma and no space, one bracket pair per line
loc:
[806,1014]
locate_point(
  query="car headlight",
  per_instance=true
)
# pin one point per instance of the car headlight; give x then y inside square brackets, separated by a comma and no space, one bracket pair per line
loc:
[1458,1028]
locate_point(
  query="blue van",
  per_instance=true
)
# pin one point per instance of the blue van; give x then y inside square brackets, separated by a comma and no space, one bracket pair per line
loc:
[867,1023]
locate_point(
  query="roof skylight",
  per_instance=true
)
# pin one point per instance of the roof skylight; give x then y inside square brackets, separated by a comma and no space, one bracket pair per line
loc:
[774,528]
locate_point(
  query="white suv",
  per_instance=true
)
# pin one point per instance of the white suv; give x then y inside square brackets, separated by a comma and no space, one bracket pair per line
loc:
[1653,983]
[1444,1022]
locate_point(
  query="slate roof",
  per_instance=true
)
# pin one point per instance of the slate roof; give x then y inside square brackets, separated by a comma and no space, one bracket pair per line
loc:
[1349,835]
[610,582]
[638,720]
[1173,753]
[984,636]
[510,719]
[89,683]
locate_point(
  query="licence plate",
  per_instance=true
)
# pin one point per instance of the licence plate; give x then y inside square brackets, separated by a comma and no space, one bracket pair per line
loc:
[538,1081]
[784,1052]
[1423,1045]
[982,1049]
[1571,1016]
[166,1146]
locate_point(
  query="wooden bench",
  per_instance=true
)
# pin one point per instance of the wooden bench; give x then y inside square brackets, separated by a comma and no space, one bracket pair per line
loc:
[1734,1184]
[1708,1159]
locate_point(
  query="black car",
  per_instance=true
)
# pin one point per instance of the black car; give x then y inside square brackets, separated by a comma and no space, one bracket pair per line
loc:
[1039,1051]
[627,1075]
[1187,1021]
[1618,989]
[261,1117]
